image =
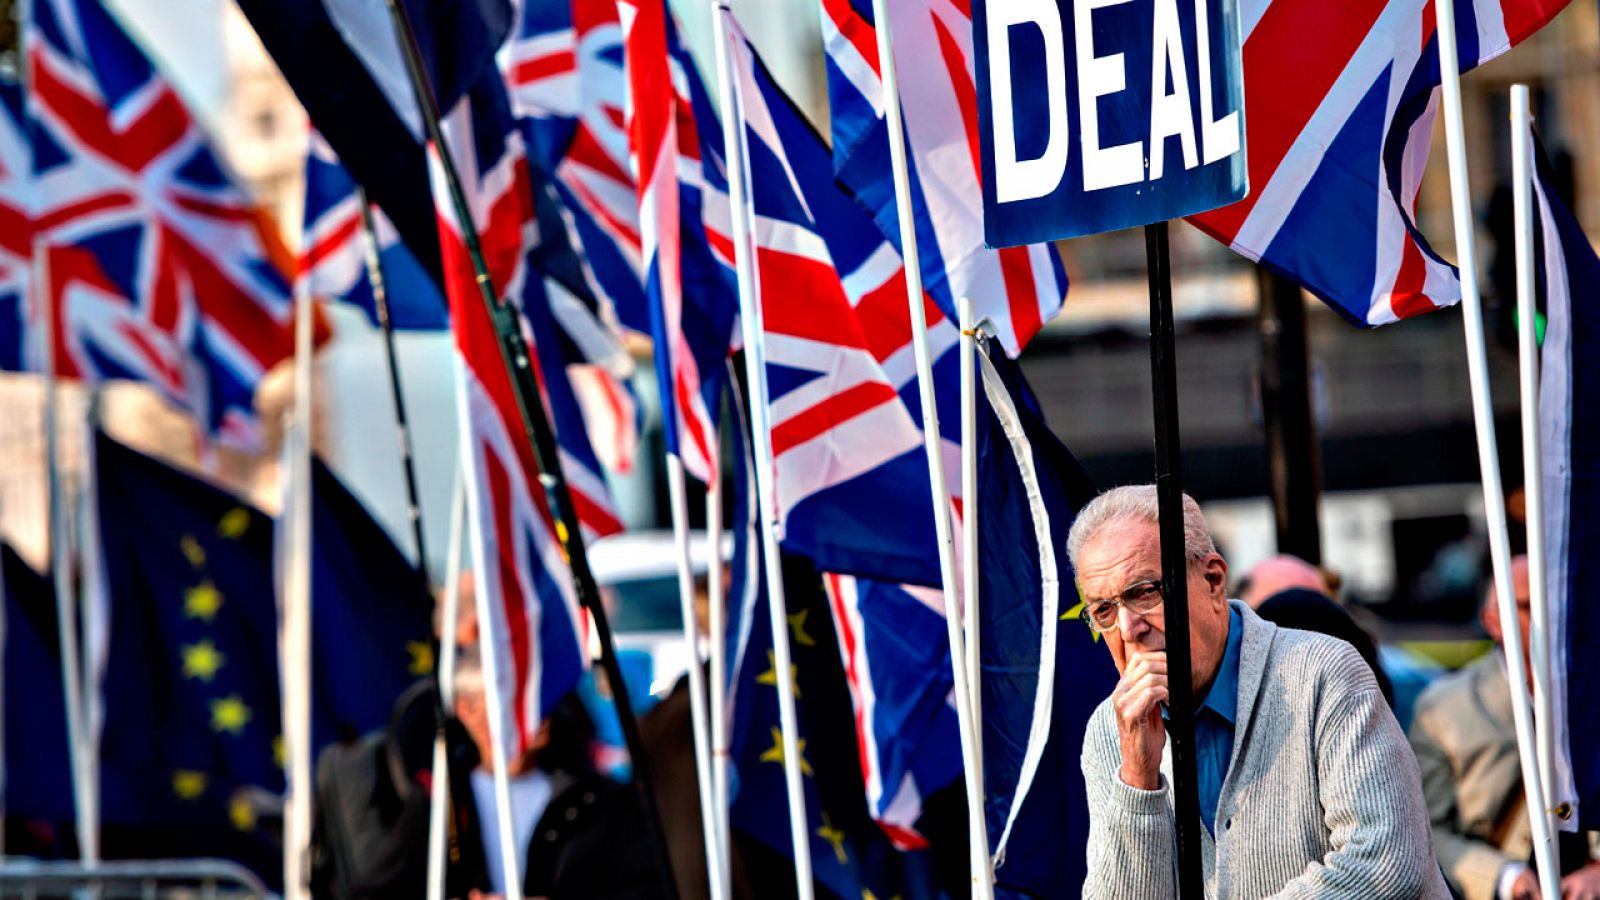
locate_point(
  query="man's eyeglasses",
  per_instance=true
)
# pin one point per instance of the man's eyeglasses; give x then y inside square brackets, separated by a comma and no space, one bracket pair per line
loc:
[1139,597]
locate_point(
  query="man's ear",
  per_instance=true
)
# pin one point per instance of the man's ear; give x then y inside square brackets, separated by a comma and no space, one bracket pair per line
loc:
[1217,575]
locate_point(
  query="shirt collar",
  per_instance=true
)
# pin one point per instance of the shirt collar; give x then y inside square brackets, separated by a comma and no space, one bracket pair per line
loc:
[1223,698]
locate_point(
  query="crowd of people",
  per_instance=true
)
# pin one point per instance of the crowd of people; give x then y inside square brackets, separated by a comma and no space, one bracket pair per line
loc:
[1322,770]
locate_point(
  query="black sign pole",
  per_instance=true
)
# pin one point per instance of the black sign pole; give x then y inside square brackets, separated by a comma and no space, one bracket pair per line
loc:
[1292,454]
[519,363]
[1174,566]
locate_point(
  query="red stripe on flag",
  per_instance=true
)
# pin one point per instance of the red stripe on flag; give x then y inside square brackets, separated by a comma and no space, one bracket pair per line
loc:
[1278,107]
[848,641]
[1022,296]
[163,123]
[961,82]
[317,253]
[509,586]
[97,204]
[831,412]
[855,29]
[1408,299]
[530,70]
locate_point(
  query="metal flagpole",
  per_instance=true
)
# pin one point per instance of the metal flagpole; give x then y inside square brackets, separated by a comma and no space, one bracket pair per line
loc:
[676,490]
[1292,451]
[755,363]
[969,505]
[1494,504]
[295,615]
[536,426]
[1174,562]
[438,820]
[978,838]
[717,627]
[1532,460]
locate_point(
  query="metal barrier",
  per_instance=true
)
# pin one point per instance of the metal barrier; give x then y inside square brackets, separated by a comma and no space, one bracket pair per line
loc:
[146,879]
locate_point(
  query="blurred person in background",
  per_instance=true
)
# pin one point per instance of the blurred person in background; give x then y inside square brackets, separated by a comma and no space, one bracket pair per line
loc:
[1466,745]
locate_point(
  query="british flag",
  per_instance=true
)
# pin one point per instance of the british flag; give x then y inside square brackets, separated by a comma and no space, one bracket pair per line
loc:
[16,230]
[151,262]
[525,593]
[683,231]
[333,256]
[1337,152]
[1019,289]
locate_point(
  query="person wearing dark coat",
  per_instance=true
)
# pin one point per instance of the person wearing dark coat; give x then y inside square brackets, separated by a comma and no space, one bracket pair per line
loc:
[373,796]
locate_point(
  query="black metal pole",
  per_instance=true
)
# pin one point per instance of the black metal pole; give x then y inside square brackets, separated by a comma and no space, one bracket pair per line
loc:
[1174,564]
[536,425]
[1293,459]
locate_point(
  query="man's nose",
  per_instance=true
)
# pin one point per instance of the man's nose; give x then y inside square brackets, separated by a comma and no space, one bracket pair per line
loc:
[1132,624]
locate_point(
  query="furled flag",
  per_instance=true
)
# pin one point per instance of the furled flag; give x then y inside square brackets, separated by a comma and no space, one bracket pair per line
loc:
[16,229]
[35,778]
[1569,442]
[333,255]
[1043,673]
[1020,288]
[151,262]
[688,285]
[525,591]
[1338,140]
[184,632]
[852,481]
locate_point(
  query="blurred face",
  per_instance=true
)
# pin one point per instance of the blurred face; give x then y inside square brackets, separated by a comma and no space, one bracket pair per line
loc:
[1121,555]
[474,716]
[1491,606]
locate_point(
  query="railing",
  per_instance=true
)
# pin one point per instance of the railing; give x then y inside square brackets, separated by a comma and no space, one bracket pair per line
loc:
[188,878]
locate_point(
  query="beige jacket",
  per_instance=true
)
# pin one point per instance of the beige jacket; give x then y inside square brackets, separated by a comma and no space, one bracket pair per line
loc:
[1322,798]
[1466,745]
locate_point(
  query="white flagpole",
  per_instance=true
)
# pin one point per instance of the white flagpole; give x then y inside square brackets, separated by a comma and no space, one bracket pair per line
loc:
[296,616]
[978,839]
[1494,504]
[676,490]
[969,506]
[755,364]
[1532,460]
[439,803]
[717,626]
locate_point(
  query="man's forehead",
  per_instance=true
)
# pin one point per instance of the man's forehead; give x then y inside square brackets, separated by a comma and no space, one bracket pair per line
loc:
[1119,551]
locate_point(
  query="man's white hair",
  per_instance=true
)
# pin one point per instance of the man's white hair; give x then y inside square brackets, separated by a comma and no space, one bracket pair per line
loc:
[1137,503]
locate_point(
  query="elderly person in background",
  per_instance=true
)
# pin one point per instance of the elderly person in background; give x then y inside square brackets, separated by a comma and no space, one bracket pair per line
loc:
[1307,787]
[1466,744]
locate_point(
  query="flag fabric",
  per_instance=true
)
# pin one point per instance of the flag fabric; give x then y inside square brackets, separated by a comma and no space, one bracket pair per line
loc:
[183,641]
[16,228]
[1020,288]
[852,480]
[342,60]
[152,263]
[36,777]
[1569,441]
[688,282]
[1043,672]
[333,255]
[1336,154]
[525,593]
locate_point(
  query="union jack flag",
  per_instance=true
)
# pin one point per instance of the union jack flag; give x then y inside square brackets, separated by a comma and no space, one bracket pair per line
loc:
[333,260]
[1018,288]
[683,231]
[1337,151]
[16,230]
[152,263]
[525,593]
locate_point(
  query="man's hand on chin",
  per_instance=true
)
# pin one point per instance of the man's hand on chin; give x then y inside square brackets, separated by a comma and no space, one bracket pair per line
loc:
[1140,730]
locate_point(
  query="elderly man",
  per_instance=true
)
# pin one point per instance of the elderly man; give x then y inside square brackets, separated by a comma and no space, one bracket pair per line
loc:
[1466,744]
[1307,786]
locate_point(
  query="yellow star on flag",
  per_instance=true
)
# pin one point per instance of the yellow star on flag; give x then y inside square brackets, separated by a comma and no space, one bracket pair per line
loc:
[234,523]
[770,676]
[241,812]
[230,714]
[775,752]
[192,551]
[279,755]
[834,837]
[797,629]
[188,784]
[1077,611]
[202,660]
[202,601]
[421,657]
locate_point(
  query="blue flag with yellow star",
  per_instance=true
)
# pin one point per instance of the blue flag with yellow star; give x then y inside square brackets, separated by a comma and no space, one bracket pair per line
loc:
[36,779]
[189,749]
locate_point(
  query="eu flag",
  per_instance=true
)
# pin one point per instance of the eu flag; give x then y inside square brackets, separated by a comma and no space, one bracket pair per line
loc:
[37,780]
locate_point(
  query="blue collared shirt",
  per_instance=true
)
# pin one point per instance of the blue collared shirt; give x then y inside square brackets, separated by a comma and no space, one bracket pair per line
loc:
[1214,723]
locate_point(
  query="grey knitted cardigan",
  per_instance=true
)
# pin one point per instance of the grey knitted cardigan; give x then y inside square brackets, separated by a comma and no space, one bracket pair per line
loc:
[1322,798]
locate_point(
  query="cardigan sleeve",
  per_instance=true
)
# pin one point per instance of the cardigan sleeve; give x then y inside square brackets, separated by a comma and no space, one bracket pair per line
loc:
[1131,849]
